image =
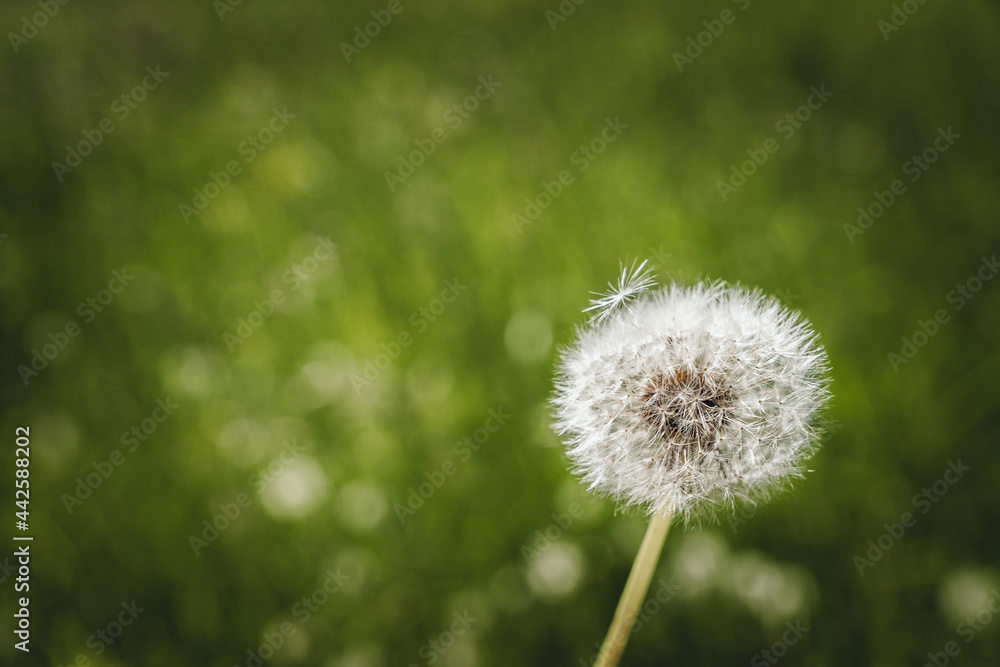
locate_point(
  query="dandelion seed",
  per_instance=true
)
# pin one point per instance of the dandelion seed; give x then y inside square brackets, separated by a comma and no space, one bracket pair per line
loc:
[631,283]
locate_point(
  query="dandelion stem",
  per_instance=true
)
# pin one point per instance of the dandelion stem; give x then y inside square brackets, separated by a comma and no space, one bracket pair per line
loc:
[635,591]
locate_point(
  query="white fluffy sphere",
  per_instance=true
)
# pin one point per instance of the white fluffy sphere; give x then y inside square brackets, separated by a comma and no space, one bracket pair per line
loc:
[687,398]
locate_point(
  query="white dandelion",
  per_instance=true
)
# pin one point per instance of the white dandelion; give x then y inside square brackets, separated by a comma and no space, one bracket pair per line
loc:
[684,401]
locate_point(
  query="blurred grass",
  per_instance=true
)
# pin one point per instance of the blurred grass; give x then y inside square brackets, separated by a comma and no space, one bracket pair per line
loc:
[652,192]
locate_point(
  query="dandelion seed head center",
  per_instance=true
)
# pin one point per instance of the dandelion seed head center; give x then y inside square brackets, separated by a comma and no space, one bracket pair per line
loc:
[685,407]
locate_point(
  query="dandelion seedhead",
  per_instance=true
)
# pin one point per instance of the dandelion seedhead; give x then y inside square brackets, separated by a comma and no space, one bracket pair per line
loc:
[687,398]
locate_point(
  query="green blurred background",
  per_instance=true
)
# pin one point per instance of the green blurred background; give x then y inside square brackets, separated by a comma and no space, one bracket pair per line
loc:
[354,448]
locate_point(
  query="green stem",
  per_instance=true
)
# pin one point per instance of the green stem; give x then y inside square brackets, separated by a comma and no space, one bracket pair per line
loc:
[635,591]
